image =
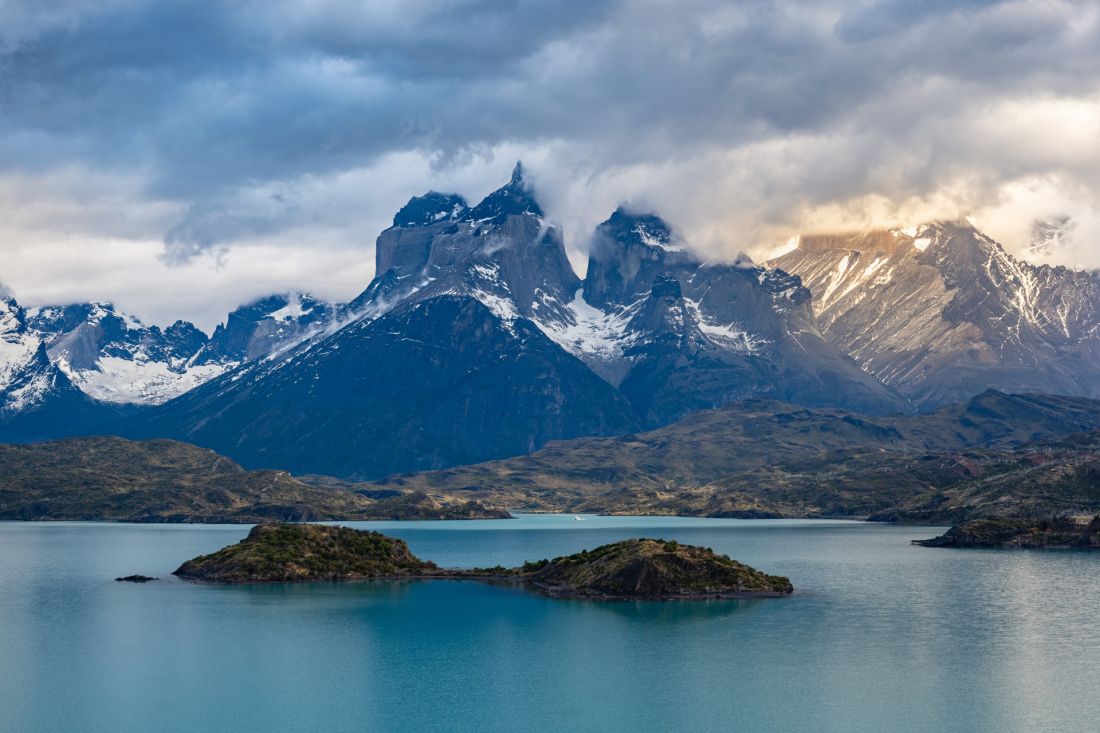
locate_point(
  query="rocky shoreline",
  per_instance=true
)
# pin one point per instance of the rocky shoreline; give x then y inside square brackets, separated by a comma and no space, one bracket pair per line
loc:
[1056,533]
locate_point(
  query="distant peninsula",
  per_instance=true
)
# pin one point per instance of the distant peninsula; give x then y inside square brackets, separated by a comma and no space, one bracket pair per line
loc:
[1059,533]
[640,569]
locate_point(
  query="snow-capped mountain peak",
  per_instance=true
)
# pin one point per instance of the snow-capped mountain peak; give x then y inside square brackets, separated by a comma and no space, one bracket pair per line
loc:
[24,371]
[944,312]
[502,252]
[37,400]
[115,358]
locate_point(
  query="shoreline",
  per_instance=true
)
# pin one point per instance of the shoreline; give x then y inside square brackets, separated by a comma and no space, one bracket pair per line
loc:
[458,575]
[514,514]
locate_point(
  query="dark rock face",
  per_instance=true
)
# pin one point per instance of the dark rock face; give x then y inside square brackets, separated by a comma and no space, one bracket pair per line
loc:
[1017,533]
[431,208]
[502,252]
[628,253]
[651,569]
[264,326]
[434,383]
[947,313]
[675,369]
[135,579]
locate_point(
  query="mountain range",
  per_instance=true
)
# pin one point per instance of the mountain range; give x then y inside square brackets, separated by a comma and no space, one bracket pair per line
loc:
[943,312]
[70,369]
[476,341]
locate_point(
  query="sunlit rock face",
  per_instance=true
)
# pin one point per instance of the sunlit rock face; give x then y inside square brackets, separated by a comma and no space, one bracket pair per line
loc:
[944,312]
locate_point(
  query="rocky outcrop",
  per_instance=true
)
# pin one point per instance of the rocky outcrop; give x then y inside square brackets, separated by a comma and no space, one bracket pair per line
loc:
[501,252]
[266,326]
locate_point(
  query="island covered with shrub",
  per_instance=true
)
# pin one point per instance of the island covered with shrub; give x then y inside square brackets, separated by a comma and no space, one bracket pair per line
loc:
[631,569]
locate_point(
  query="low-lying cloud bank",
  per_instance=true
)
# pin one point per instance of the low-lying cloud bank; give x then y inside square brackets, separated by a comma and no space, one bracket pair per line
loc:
[153,150]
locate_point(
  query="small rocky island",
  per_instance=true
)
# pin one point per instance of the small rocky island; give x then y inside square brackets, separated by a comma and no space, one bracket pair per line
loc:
[633,569]
[1058,533]
[286,553]
[657,569]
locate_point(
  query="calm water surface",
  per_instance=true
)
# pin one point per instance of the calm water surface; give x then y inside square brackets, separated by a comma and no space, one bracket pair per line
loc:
[879,636]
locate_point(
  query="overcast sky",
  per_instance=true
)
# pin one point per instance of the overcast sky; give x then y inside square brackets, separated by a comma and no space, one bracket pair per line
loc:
[180,157]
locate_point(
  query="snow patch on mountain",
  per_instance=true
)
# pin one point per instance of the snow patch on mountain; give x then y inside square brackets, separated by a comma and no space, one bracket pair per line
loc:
[731,336]
[139,380]
[293,310]
[502,307]
[590,332]
[655,236]
[21,383]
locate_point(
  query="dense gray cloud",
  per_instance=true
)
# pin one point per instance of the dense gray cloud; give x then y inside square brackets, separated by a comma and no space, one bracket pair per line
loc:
[214,132]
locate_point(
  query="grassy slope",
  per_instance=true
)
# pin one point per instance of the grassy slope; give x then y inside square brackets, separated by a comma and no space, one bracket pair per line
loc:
[761,458]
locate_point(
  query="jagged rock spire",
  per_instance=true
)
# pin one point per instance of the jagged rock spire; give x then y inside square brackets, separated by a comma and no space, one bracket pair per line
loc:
[518,174]
[513,198]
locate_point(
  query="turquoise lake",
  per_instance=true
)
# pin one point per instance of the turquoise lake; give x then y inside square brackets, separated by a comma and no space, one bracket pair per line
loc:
[879,636]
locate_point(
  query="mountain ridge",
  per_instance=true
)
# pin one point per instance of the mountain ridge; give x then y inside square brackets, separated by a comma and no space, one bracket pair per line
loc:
[761,458]
[944,312]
